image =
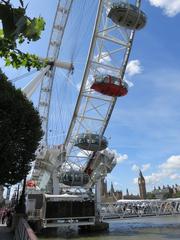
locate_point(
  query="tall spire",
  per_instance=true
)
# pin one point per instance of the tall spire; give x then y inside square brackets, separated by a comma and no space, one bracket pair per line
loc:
[140,174]
[127,192]
[112,188]
[142,185]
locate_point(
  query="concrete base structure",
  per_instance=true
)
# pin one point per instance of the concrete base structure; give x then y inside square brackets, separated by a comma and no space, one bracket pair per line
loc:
[98,227]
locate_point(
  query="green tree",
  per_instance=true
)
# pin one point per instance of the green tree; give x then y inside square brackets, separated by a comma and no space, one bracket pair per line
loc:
[17,27]
[176,195]
[167,195]
[150,195]
[20,133]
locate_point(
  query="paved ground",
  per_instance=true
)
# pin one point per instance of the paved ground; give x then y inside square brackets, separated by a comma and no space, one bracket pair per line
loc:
[5,233]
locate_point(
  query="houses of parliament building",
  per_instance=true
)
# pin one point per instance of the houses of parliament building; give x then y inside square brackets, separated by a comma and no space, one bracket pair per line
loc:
[157,193]
[112,195]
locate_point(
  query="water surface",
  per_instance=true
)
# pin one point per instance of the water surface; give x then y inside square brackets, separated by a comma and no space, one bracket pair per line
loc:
[151,228]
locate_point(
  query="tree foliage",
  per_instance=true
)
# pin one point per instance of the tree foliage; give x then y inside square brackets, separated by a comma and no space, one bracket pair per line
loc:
[150,195]
[20,133]
[17,28]
[176,195]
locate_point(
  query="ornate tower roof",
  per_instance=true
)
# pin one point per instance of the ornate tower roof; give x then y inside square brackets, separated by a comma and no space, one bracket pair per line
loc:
[112,188]
[140,174]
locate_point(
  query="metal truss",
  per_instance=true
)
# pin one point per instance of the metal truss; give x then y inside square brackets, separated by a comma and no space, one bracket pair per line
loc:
[59,25]
[46,158]
[108,54]
[138,208]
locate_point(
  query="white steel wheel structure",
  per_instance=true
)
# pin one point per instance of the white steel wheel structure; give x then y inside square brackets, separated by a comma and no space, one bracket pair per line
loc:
[83,149]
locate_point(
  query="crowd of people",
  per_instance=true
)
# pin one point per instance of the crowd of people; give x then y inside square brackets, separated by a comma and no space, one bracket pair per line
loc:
[6,215]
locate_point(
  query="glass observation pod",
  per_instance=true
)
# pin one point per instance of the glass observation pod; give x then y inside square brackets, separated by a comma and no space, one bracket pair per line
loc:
[110,85]
[127,15]
[74,178]
[91,142]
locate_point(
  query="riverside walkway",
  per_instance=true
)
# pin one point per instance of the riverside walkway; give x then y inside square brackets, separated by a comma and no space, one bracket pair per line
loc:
[5,233]
[22,232]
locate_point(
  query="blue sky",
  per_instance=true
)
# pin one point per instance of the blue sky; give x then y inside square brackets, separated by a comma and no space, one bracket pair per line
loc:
[144,128]
[148,118]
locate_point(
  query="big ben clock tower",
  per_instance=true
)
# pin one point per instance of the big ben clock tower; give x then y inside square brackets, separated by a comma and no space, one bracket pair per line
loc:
[142,185]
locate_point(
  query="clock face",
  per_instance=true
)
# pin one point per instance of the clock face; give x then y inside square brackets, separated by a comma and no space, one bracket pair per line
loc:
[141,181]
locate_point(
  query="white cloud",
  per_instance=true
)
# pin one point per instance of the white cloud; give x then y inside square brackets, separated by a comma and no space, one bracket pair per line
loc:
[133,67]
[130,84]
[154,177]
[119,157]
[146,167]
[135,168]
[105,58]
[168,169]
[88,83]
[175,176]
[70,166]
[170,7]
[78,86]
[83,153]
[143,167]
[135,180]
[115,184]
[172,163]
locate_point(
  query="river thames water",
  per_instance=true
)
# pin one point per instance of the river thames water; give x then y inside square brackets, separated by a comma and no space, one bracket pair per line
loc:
[151,228]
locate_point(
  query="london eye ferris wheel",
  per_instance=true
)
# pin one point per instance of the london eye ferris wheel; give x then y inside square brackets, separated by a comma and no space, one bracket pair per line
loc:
[75,105]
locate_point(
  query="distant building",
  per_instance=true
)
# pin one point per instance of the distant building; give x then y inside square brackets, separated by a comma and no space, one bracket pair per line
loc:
[103,187]
[130,196]
[109,196]
[176,188]
[112,189]
[127,192]
[166,191]
[142,186]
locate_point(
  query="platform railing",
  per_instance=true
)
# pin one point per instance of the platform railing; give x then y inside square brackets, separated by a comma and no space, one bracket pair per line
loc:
[76,221]
[23,231]
[139,208]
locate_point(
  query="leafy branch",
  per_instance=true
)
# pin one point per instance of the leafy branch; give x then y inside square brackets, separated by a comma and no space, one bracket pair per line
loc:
[17,27]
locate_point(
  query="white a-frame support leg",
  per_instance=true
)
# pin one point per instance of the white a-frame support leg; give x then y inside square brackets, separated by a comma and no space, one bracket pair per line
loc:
[31,87]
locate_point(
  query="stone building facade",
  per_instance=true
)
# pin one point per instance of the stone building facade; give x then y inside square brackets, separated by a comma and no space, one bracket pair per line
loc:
[166,191]
[109,196]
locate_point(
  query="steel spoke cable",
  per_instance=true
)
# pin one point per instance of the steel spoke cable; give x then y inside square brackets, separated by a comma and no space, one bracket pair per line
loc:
[78,30]
[22,76]
[85,32]
[66,97]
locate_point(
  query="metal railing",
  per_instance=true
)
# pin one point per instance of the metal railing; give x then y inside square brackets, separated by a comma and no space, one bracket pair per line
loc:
[139,208]
[76,221]
[23,231]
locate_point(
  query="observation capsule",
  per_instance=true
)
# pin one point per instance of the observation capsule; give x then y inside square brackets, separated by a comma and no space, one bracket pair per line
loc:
[127,15]
[74,178]
[110,85]
[91,142]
